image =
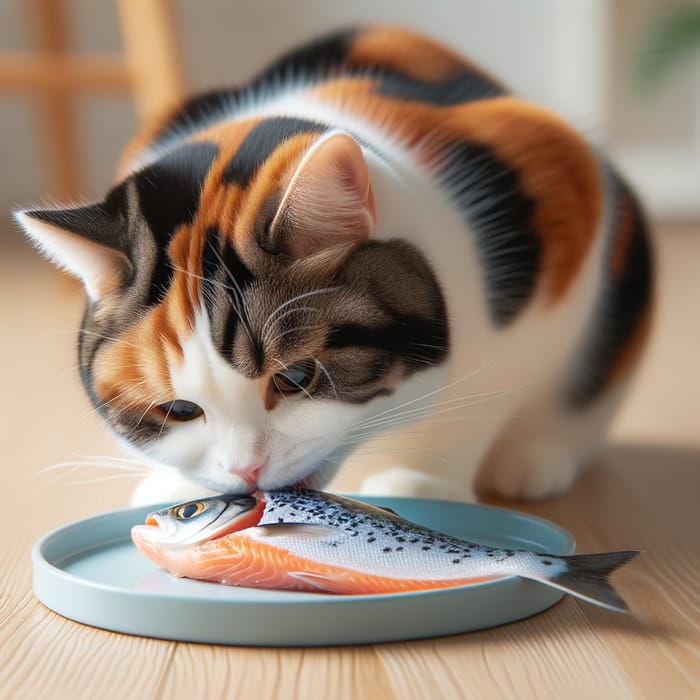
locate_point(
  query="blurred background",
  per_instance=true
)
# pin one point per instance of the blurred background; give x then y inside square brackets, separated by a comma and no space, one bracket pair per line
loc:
[625,72]
[580,57]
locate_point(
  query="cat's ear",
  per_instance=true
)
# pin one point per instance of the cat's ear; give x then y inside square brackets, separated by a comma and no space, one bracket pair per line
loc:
[85,241]
[328,206]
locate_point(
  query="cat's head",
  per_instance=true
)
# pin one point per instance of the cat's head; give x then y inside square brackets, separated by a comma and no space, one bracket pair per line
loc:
[242,320]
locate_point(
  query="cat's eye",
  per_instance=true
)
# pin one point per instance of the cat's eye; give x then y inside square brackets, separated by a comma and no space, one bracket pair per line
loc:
[189,510]
[297,378]
[181,410]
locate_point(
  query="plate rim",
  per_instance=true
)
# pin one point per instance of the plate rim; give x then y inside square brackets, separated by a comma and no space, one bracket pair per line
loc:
[93,602]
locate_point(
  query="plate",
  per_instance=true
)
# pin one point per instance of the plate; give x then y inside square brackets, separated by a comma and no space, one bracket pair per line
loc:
[89,571]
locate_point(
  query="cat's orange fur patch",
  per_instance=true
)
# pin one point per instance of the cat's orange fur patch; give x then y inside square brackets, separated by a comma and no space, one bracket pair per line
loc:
[556,168]
[408,53]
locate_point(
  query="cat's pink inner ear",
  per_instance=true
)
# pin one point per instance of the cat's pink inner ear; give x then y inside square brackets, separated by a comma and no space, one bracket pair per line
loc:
[329,201]
[100,267]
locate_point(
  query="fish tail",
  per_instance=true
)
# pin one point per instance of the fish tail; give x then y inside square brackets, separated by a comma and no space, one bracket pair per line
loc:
[587,577]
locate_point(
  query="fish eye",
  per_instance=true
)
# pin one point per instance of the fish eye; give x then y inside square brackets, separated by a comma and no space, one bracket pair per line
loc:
[189,510]
[181,410]
[297,378]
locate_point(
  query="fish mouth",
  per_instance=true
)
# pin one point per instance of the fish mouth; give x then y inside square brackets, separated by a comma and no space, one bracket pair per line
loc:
[156,529]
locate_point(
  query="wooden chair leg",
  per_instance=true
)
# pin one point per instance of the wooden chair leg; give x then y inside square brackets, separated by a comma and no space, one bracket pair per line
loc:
[152,54]
[57,111]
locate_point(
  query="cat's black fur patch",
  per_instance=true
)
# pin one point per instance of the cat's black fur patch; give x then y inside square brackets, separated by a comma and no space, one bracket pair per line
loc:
[224,275]
[168,192]
[316,58]
[103,222]
[211,261]
[261,142]
[623,303]
[237,278]
[138,428]
[456,89]
[417,341]
[488,192]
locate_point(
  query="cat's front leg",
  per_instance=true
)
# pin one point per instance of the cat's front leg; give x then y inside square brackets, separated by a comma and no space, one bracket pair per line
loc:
[542,450]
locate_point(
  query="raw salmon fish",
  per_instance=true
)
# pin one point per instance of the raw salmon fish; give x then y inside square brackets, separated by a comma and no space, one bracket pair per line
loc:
[312,541]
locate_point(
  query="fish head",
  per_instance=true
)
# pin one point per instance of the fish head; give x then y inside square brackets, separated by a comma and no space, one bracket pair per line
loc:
[191,523]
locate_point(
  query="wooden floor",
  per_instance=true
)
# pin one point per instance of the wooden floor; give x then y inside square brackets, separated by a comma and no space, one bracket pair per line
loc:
[644,493]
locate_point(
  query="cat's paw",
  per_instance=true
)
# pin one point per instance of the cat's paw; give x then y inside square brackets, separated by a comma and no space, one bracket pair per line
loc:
[166,489]
[400,481]
[534,471]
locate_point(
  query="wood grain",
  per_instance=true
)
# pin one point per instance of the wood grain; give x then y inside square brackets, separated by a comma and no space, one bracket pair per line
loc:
[27,73]
[643,493]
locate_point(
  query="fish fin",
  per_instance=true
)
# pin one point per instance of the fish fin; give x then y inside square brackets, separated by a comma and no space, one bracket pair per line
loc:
[317,581]
[587,578]
[292,530]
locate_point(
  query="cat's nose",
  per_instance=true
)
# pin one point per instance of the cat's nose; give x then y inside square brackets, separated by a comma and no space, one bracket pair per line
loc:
[249,472]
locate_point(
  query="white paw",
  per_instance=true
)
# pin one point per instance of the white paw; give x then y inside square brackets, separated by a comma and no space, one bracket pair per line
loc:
[537,470]
[161,488]
[400,481]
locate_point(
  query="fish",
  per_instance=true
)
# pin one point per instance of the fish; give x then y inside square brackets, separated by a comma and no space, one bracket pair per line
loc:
[305,540]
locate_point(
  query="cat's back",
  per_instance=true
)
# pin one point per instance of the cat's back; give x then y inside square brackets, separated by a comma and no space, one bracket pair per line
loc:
[538,204]
[377,74]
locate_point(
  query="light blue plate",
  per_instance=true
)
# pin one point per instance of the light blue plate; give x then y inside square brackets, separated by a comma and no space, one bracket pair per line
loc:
[89,571]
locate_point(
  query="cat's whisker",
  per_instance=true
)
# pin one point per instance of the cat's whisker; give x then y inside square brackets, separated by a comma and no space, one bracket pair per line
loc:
[111,338]
[415,415]
[234,293]
[100,479]
[424,420]
[421,413]
[467,376]
[209,280]
[298,297]
[328,377]
[424,430]
[165,420]
[96,410]
[308,309]
[103,462]
[368,452]
[236,302]
[296,329]
[384,416]
[64,471]
[105,404]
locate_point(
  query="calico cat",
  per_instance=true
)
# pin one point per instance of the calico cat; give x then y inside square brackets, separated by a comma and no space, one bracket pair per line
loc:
[372,243]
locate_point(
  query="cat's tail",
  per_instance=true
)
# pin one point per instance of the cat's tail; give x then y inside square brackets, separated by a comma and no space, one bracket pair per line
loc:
[587,577]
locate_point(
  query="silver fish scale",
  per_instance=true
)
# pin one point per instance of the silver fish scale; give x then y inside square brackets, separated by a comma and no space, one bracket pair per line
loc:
[374,540]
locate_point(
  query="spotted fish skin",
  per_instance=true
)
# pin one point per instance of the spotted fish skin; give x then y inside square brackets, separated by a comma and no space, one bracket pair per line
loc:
[390,545]
[307,540]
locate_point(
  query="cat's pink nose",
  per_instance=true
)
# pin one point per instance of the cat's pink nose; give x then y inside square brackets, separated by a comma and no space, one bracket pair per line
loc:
[250,472]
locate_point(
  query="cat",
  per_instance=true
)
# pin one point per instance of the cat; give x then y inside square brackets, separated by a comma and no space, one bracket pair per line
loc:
[373,244]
